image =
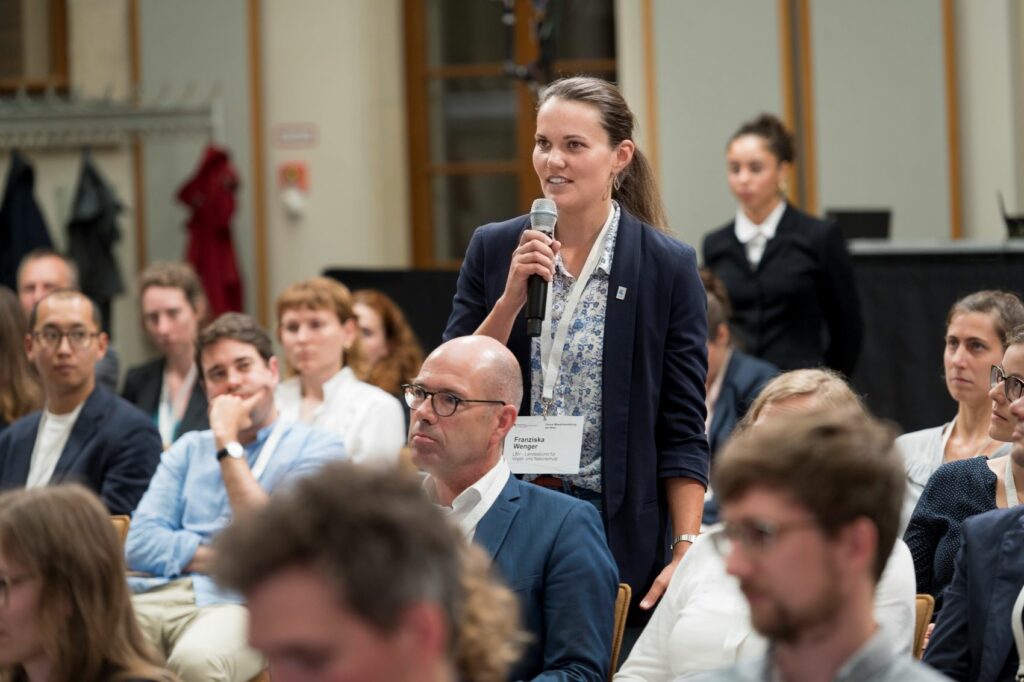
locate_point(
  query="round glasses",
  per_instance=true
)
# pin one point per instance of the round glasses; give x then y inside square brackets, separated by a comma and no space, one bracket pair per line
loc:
[754,536]
[51,338]
[1013,387]
[443,403]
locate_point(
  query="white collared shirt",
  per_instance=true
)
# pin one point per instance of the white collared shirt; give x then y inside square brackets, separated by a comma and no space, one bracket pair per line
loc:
[52,436]
[755,237]
[369,420]
[471,504]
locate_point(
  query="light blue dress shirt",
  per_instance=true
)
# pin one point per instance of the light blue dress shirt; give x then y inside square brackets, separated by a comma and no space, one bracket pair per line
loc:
[186,504]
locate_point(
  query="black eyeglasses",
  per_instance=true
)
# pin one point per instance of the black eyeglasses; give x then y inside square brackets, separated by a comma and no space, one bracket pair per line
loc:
[443,403]
[754,536]
[51,337]
[1013,387]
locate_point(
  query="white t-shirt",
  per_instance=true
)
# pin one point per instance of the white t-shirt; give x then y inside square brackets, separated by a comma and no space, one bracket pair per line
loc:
[52,436]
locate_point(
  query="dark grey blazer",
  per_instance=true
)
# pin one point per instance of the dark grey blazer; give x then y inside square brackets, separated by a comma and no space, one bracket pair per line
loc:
[142,388]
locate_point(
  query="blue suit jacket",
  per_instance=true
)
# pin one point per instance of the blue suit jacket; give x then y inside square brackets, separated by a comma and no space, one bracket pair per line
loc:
[113,449]
[551,550]
[744,378]
[654,366]
[972,638]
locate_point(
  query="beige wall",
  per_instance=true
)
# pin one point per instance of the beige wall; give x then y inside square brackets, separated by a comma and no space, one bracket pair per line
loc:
[339,67]
[98,55]
[990,117]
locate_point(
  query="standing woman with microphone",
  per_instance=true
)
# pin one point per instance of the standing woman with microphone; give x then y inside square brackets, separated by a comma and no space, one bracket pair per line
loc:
[788,274]
[623,348]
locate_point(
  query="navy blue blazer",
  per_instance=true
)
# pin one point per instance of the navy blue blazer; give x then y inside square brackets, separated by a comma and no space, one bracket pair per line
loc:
[744,378]
[654,367]
[802,287]
[113,449]
[972,638]
[551,550]
[142,387]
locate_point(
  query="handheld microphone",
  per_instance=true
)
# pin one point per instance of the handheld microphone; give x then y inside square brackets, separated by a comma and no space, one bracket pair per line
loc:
[543,216]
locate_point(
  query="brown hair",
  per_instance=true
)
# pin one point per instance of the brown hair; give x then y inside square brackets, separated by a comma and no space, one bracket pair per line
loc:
[773,132]
[20,392]
[175,275]
[63,535]
[382,545]
[324,293]
[841,465]
[827,386]
[237,327]
[66,294]
[719,307]
[637,189]
[1006,310]
[405,355]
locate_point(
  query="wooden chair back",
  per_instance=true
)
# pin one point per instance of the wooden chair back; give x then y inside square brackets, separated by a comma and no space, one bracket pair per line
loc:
[621,609]
[121,523]
[924,607]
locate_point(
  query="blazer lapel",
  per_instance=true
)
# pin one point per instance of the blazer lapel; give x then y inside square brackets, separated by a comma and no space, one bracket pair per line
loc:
[495,524]
[194,411]
[149,394]
[786,223]
[19,456]
[1009,576]
[82,432]
[617,364]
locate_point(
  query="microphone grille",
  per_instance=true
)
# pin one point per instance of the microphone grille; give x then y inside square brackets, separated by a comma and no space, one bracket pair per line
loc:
[543,215]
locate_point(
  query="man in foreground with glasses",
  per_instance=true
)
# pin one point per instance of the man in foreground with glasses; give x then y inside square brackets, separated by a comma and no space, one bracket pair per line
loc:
[549,547]
[811,507]
[84,433]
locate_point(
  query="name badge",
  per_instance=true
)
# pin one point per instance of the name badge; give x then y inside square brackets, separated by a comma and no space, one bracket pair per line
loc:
[545,445]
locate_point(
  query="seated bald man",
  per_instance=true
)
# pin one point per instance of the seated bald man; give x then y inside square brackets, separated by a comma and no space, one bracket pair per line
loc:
[549,547]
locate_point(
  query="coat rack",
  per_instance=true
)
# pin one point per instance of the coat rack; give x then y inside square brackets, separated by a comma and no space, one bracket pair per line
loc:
[61,122]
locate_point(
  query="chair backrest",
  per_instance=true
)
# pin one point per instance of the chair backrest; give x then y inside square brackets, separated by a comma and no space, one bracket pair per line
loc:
[621,609]
[924,607]
[121,523]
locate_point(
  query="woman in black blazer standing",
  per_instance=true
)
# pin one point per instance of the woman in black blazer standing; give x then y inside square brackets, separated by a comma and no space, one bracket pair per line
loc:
[788,274]
[634,357]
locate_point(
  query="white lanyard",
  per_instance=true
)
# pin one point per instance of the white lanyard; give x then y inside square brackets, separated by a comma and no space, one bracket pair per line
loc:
[269,446]
[166,420]
[1011,486]
[551,350]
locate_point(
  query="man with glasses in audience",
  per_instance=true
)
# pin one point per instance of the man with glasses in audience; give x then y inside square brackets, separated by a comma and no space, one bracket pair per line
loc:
[811,507]
[43,271]
[206,479]
[549,547]
[84,433]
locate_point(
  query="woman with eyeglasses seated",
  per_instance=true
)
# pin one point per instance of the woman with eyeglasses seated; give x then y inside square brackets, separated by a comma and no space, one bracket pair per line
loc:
[703,621]
[318,330]
[965,488]
[65,608]
[977,327]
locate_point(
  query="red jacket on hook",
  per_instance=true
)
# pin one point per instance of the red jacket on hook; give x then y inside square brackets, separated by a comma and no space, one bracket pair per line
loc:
[210,193]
